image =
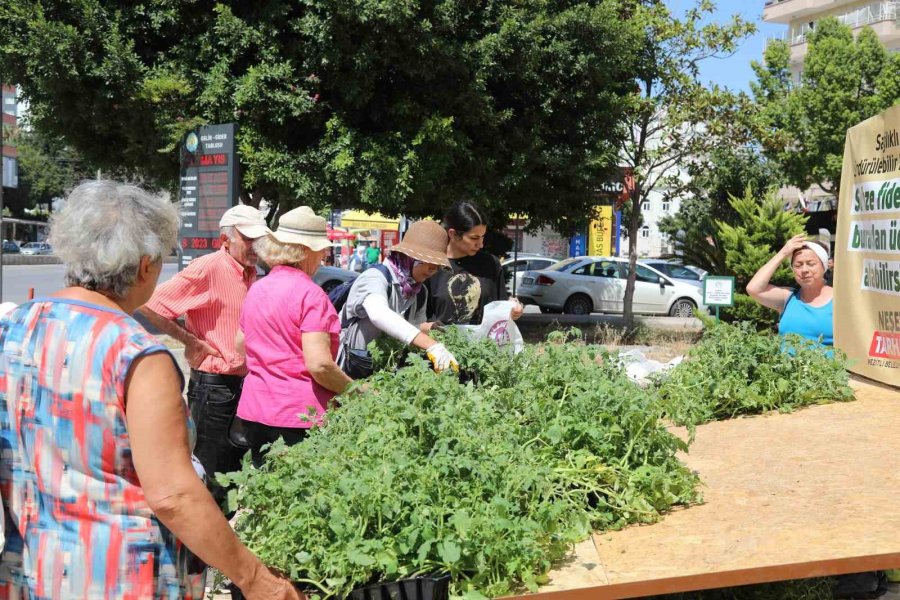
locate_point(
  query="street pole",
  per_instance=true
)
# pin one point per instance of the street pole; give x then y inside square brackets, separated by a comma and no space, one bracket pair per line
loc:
[515,256]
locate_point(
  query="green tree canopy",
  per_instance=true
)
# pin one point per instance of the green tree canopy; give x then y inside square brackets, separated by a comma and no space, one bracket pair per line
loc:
[762,228]
[728,171]
[389,105]
[675,121]
[845,80]
[48,168]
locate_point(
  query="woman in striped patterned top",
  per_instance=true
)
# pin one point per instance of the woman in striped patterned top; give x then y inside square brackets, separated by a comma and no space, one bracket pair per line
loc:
[101,497]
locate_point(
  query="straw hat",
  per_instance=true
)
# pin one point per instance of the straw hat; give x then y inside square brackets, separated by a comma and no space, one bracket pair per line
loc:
[303,226]
[425,241]
[245,219]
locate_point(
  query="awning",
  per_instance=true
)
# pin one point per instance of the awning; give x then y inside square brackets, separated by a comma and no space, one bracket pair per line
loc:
[340,234]
[357,219]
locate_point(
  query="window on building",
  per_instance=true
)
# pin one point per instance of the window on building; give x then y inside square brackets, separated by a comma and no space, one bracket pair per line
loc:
[645,205]
[665,207]
[645,232]
[9,101]
[10,172]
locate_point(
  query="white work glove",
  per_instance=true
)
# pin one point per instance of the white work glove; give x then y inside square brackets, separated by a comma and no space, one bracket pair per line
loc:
[441,358]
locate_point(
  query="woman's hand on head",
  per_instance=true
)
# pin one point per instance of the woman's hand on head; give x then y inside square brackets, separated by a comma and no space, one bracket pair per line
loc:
[792,245]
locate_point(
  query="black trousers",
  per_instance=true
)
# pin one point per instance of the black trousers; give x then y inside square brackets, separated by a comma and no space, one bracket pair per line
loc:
[258,435]
[213,401]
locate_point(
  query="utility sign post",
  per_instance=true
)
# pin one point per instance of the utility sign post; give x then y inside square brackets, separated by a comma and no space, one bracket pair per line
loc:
[718,291]
[209,185]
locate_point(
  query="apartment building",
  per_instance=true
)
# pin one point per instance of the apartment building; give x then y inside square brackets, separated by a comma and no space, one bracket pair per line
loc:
[800,17]
[651,242]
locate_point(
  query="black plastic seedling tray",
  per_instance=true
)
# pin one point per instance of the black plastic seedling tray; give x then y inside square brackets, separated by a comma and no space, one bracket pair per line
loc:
[419,588]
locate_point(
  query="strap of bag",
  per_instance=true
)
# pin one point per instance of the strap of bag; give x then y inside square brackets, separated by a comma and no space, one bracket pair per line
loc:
[421,299]
[348,321]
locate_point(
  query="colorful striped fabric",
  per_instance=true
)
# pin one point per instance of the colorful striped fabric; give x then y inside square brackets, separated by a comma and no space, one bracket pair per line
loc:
[77,522]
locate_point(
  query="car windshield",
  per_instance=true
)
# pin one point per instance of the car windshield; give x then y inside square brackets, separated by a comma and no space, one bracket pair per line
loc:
[564,264]
[645,274]
[682,273]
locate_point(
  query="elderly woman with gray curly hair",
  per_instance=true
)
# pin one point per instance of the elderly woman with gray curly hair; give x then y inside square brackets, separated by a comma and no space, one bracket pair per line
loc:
[101,496]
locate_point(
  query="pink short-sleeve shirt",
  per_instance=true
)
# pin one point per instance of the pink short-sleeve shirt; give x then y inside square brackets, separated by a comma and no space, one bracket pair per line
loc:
[279,388]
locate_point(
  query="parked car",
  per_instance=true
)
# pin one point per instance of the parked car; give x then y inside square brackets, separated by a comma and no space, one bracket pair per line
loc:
[587,284]
[520,263]
[37,248]
[329,278]
[10,247]
[677,271]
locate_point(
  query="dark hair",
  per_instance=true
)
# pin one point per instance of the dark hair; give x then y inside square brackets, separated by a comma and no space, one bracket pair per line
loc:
[463,216]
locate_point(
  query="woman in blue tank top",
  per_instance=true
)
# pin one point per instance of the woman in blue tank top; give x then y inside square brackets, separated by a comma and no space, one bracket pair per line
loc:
[807,310]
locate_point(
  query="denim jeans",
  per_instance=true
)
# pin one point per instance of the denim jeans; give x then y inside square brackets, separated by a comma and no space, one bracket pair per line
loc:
[259,434]
[213,407]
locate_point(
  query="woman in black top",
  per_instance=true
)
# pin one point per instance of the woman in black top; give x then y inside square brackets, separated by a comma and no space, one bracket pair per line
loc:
[459,295]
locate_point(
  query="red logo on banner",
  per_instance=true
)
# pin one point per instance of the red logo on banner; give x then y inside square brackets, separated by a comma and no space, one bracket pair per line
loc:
[389,238]
[885,345]
[627,189]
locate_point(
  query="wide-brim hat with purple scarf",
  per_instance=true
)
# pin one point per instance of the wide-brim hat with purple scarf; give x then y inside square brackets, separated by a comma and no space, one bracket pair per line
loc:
[425,241]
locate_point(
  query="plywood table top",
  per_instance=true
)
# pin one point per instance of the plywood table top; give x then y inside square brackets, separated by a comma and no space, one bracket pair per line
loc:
[786,496]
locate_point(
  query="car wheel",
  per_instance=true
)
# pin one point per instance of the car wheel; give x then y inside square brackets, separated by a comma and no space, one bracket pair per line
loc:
[547,309]
[330,285]
[682,308]
[579,304]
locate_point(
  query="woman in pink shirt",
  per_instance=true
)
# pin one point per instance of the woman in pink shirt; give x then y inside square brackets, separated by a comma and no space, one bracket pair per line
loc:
[289,331]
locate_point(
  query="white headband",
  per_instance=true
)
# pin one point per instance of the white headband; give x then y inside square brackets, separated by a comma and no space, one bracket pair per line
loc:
[821,252]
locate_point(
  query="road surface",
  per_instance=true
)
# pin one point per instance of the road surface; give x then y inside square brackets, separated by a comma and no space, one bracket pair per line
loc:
[45,279]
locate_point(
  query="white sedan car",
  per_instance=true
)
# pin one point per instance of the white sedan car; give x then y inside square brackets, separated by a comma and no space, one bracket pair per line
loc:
[587,284]
[35,248]
[676,271]
[517,265]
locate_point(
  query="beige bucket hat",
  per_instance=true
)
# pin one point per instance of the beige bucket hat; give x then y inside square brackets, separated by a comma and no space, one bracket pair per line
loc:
[425,241]
[303,226]
[245,219]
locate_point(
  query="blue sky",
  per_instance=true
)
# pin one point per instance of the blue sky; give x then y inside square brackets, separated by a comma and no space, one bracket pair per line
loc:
[734,72]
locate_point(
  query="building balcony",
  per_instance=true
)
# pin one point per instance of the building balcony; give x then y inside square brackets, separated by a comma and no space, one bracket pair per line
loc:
[882,18]
[785,11]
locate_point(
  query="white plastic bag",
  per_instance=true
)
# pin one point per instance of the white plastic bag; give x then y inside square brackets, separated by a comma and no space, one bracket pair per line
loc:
[639,368]
[497,325]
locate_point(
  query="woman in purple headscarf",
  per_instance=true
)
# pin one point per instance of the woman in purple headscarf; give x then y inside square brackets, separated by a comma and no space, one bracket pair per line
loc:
[390,299]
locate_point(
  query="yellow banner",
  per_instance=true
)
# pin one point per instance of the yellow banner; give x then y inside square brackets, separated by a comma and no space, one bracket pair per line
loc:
[867,250]
[600,233]
[357,219]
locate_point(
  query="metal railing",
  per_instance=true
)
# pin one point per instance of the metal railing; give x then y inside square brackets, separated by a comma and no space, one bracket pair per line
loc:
[884,11]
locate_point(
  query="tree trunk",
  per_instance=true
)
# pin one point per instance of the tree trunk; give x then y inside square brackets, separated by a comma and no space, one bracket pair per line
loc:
[633,223]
